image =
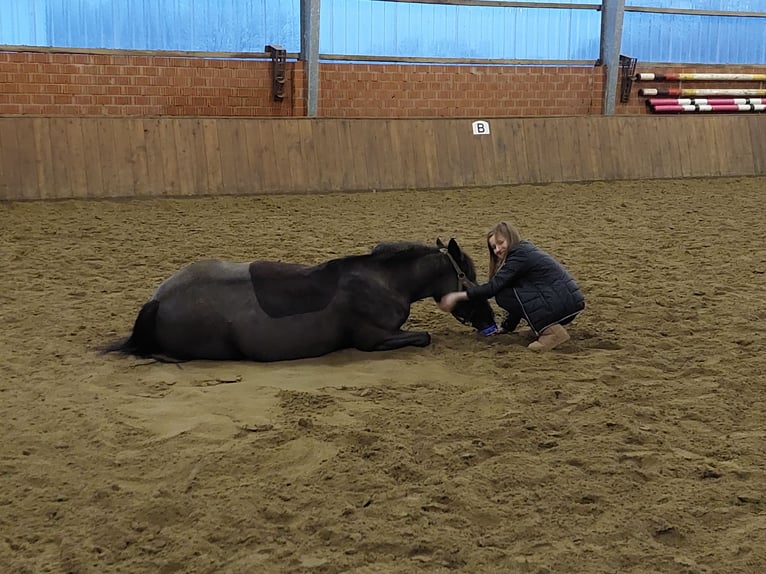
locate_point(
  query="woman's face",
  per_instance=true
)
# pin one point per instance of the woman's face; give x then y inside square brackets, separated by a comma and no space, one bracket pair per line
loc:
[499,245]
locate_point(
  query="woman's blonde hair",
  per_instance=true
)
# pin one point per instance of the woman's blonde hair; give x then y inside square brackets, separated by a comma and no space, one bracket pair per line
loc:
[512,238]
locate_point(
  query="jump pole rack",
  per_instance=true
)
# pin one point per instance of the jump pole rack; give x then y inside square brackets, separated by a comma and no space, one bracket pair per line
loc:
[681,100]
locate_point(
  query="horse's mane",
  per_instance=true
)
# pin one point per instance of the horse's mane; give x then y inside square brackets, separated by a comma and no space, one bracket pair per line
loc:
[401,249]
[387,254]
[405,250]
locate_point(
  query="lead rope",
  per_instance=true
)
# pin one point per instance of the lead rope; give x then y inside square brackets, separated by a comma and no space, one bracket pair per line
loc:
[466,283]
[462,279]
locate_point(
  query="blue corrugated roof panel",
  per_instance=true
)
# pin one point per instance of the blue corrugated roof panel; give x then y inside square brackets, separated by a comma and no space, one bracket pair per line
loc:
[395,29]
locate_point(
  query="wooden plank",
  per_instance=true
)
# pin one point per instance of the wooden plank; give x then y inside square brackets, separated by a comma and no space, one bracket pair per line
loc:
[182,129]
[683,146]
[449,153]
[170,165]
[155,172]
[725,155]
[469,148]
[708,146]
[609,145]
[90,143]
[707,149]
[27,162]
[402,147]
[292,174]
[486,161]
[258,138]
[713,155]
[516,158]
[576,165]
[251,169]
[718,157]
[105,157]
[534,148]
[485,157]
[739,130]
[124,178]
[138,161]
[228,139]
[590,151]
[551,149]
[648,152]
[62,182]
[77,158]
[110,164]
[700,165]
[330,160]
[430,171]
[626,131]
[10,174]
[511,152]
[489,163]
[758,143]
[275,166]
[309,144]
[43,156]
[408,171]
[374,154]
[212,156]
[670,166]
[354,177]
[685,151]
[590,161]
[200,185]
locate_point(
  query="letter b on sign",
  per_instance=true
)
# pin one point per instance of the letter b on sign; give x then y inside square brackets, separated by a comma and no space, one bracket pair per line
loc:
[480,128]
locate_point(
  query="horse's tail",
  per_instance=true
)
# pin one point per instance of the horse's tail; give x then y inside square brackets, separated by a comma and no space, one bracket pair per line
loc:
[143,340]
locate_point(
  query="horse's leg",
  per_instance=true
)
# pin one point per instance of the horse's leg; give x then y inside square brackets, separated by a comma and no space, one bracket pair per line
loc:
[375,316]
[403,339]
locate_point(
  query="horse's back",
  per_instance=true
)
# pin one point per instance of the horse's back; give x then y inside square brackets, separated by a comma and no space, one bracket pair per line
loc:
[211,309]
[198,305]
[203,273]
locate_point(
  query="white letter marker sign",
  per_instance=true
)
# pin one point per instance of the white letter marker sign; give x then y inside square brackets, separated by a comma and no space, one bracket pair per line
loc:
[480,128]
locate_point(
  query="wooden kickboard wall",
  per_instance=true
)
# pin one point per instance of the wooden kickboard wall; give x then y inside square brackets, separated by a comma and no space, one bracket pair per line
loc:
[65,157]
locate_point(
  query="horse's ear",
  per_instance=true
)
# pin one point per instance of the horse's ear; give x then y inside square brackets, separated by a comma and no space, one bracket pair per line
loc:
[454,249]
[439,243]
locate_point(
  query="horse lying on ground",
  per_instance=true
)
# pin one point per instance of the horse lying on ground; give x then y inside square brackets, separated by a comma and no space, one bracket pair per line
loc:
[272,311]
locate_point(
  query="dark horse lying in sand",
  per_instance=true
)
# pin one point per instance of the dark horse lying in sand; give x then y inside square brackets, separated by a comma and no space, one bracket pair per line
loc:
[270,311]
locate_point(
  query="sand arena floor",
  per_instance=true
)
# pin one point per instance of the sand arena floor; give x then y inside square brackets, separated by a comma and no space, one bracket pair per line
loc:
[638,447]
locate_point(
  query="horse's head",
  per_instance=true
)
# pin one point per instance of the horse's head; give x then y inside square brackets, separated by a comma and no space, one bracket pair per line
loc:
[477,314]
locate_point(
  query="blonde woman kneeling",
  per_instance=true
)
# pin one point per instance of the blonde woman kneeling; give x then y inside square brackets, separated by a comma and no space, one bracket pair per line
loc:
[529,284]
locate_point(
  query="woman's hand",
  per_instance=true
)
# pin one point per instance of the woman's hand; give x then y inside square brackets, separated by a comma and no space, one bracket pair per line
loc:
[448,301]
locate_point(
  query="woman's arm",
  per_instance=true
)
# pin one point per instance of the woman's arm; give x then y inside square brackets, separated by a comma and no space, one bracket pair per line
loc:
[448,301]
[516,263]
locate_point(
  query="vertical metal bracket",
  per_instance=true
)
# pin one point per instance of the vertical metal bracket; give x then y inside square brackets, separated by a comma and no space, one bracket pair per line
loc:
[278,59]
[627,75]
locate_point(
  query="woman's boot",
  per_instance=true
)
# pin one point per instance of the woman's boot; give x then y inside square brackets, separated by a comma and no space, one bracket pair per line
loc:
[550,338]
[527,333]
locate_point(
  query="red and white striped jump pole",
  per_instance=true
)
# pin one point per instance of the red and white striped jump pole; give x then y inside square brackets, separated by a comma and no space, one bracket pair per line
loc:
[703,92]
[674,109]
[704,77]
[703,101]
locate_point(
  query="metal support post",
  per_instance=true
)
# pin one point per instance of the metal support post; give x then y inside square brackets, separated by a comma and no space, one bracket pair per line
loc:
[612,13]
[310,52]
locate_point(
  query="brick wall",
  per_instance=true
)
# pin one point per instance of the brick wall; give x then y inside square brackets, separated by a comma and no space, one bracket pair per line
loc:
[34,83]
[124,85]
[398,90]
